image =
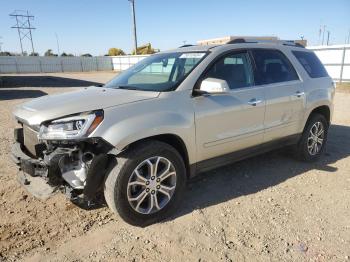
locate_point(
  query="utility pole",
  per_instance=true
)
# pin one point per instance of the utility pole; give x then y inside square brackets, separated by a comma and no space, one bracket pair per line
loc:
[24,27]
[328,33]
[319,35]
[132,3]
[1,44]
[58,46]
[324,29]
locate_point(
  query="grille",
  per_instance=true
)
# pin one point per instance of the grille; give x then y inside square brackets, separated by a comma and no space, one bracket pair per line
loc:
[30,139]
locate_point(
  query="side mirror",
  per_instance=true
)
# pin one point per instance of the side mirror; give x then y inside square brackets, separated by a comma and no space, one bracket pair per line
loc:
[214,86]
[165,62]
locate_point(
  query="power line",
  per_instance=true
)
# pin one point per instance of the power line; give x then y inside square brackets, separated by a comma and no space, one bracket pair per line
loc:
[23,26]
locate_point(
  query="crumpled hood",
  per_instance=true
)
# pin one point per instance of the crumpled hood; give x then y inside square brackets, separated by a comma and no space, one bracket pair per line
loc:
[50,107]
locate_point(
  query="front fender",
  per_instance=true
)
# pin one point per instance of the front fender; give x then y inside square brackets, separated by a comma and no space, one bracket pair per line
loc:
[127,124]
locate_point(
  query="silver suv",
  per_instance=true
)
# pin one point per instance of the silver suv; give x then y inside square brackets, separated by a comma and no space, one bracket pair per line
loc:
[138,138]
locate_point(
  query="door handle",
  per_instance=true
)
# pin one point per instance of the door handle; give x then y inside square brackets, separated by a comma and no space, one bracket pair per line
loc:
[254,102]
[299,94]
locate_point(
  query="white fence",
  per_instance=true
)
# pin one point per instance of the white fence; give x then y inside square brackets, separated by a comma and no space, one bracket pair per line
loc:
[37,64]
[336,59]
[121,63]
[44,64]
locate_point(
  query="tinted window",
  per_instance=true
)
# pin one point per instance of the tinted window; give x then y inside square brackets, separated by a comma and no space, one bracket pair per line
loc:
[311,64]
[234,68]
[272,67]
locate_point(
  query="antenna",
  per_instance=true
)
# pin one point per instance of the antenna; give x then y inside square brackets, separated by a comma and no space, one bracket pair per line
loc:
[23,26]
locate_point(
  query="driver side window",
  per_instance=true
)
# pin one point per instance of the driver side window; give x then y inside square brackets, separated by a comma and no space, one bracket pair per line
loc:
[235,69]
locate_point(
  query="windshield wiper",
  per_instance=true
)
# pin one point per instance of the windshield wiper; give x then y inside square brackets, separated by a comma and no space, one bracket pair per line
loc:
[128,87]
[133,88]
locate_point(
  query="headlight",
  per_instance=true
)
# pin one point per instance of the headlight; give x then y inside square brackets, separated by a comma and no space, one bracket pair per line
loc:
[71,127]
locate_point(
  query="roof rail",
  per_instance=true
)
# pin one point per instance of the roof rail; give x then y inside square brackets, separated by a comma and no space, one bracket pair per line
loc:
[257,41]
[292,43]
[185,46]
[240,41]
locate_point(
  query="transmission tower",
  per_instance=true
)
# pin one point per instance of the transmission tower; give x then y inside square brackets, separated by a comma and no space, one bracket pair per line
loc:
[23,26]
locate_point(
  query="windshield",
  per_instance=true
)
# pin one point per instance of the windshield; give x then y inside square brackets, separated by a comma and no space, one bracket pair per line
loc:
[160,72]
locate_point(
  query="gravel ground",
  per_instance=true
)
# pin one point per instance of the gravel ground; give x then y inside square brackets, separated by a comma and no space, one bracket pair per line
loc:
[267,208]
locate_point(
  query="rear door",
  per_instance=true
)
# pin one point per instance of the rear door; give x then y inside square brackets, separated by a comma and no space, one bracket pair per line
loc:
[284,93]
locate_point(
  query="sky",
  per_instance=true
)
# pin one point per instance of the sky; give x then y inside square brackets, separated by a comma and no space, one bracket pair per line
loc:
[94,26]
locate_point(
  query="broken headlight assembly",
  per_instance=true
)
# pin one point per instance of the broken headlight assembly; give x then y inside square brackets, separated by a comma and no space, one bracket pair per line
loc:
[72,127]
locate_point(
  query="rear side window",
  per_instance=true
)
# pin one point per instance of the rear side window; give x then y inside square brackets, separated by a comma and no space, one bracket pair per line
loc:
[272,66]
[311,64]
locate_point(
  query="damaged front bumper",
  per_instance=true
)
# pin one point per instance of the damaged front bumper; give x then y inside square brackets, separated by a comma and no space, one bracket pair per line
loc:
[76,168]
[31,174]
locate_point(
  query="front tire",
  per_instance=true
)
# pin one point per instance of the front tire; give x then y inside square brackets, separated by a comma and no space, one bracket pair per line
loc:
[147,183]
[313,140]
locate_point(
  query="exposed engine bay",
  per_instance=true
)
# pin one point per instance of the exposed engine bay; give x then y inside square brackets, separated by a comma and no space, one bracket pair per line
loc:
[74,167]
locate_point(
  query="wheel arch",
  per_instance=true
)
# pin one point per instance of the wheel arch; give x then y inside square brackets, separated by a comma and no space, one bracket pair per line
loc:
[322,110]
[172,140]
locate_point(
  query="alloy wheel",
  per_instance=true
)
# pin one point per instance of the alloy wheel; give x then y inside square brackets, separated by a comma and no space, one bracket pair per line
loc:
[315,138]
[151,185]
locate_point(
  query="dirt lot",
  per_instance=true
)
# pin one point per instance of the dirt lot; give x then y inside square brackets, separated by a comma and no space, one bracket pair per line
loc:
[268,208]
[344,87]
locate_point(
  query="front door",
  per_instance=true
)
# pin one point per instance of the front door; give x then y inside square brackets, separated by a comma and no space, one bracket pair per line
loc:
[229,122]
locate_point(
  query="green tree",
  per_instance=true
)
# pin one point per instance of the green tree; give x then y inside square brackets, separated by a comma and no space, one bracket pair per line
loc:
[49,53]
[144,50]
[5,53]
[115,51]
[34,54]
[65,54]
[86,55]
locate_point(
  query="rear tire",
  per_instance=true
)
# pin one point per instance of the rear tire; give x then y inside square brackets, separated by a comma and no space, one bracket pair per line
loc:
[313,140]
[140,168]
